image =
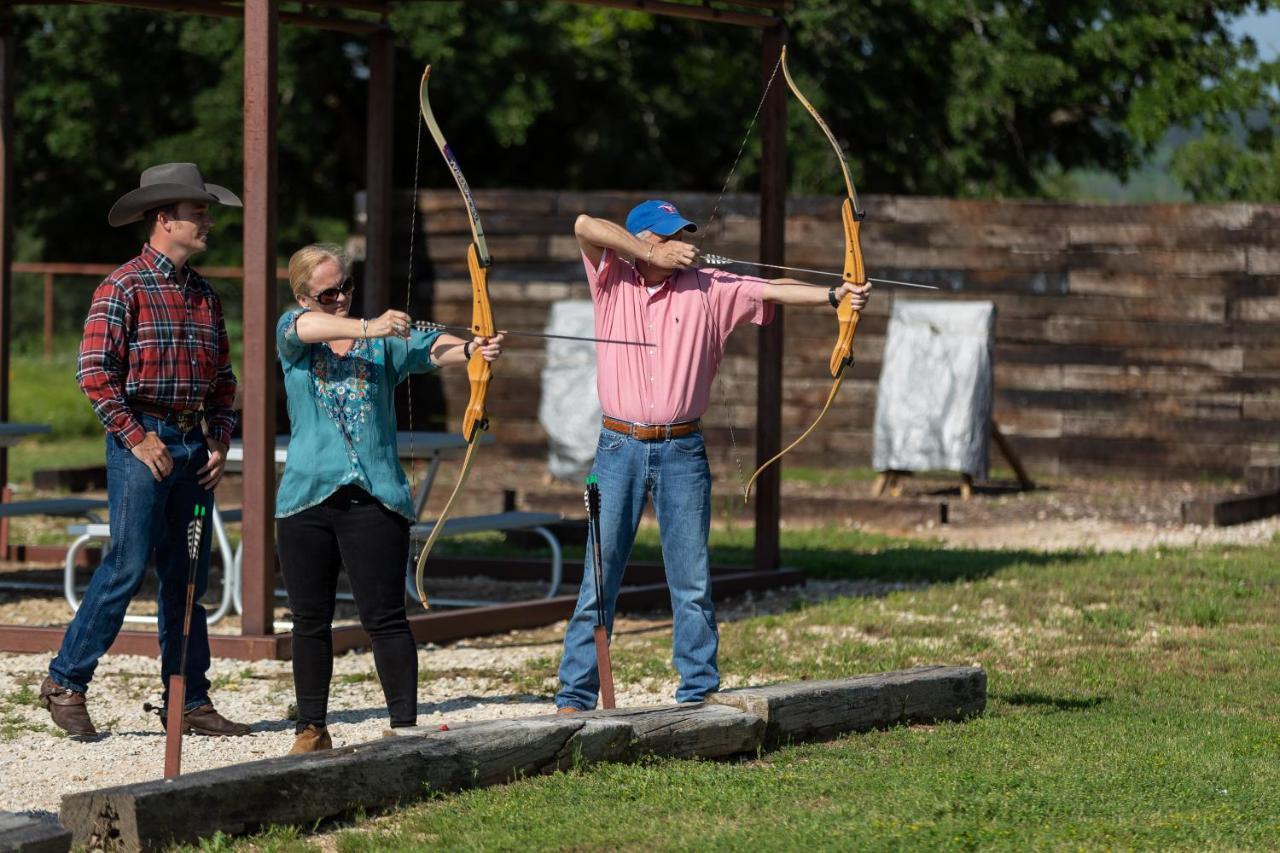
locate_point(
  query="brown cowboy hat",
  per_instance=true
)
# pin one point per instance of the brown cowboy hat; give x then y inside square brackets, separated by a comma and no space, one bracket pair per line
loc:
[166,184]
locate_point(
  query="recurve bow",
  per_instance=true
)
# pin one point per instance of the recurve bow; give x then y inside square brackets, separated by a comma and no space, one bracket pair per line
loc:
[851,214]
[474,421]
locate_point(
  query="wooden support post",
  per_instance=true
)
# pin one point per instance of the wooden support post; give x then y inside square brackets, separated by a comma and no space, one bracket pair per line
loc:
[48,316]
[260,95]
[8,47]
[773,215]
[377,175]
[6,494]
[888,481]
[1007,451]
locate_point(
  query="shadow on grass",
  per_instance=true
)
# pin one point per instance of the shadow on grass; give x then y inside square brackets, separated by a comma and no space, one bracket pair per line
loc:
[918,563]
[1033,699]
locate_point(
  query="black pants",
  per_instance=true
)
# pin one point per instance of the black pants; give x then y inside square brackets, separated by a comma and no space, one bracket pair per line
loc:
[349,529]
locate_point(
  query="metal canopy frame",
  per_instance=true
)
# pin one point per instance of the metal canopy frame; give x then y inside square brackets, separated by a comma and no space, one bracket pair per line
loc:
[262,18]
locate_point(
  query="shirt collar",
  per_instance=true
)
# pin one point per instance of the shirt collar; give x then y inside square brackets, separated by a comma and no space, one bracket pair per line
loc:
[655,289]
[160,261]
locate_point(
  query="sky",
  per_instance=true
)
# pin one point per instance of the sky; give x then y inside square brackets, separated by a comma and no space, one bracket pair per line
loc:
[1265,30]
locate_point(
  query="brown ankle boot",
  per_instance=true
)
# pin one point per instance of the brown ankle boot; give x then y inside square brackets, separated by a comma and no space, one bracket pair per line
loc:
[67,708]
[206,721]
[312,739]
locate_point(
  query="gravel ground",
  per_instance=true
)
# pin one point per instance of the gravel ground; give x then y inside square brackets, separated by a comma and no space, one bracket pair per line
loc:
[467,680]
[488,678]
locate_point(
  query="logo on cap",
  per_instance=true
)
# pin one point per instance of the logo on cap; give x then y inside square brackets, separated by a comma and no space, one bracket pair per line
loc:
[667,207]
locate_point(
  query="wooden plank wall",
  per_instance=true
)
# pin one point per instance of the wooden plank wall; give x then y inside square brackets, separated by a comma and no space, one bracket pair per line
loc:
[1132,340]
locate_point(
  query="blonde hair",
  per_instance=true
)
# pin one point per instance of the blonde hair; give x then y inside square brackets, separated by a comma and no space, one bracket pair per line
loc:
[304,262]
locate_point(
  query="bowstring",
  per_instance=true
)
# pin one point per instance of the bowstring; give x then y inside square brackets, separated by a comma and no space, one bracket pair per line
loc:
[715,210]
[408,300]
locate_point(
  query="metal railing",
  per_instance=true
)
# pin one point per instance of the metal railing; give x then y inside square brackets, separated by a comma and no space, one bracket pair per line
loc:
[50,270]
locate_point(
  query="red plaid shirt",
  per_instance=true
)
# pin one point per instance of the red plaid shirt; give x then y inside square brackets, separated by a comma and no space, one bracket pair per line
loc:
[149,339]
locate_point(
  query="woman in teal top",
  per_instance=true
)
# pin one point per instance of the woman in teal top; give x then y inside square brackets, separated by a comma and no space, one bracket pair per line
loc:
[343,499]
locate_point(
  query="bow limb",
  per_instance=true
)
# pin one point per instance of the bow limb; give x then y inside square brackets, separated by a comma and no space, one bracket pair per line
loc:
[851,215]
[475,419]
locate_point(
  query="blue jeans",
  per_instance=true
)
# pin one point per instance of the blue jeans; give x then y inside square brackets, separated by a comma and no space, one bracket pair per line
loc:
[147,518]
[676,474]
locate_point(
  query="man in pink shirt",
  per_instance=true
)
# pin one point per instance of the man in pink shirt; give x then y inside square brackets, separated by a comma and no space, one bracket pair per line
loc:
[645,288]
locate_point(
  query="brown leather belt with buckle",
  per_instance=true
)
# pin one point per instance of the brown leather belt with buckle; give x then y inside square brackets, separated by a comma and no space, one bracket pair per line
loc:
[652,432]
[185,419]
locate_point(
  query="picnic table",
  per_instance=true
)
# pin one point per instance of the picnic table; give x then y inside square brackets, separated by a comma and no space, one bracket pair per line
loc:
[436,447]
[12,433]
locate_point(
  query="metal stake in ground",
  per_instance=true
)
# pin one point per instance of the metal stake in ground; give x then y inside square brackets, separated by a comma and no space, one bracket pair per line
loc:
[178,680]
[592,499]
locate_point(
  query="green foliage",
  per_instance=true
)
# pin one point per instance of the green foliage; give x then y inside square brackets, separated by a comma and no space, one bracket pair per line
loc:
[46,392]
[947,97]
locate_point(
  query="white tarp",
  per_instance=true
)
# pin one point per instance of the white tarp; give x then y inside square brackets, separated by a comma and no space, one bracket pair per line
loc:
[570,408]
[933,410]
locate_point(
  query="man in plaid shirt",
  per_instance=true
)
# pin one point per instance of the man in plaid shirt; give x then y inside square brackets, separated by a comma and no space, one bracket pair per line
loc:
[155,363]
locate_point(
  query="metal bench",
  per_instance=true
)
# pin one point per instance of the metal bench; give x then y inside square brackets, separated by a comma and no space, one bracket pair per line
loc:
[501,521]
[86,508]
[81,507]
[95,530]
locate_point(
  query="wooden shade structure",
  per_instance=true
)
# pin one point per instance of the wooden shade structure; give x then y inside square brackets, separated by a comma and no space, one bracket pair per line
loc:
[368,18]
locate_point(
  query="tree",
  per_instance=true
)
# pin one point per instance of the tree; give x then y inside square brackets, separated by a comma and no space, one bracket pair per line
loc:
[943,97]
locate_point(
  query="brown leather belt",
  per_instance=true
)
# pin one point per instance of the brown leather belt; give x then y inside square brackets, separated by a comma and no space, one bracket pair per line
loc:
[185,419]
[652,432]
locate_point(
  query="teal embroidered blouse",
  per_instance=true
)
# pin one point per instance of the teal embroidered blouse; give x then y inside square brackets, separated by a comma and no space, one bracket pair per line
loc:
[342,416]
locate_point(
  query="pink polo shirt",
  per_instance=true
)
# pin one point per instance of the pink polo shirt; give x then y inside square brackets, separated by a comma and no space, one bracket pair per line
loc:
[689,317]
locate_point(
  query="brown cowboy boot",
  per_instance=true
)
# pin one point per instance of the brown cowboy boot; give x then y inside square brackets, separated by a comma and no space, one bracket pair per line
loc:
[312,739]
[67,708]
[206,721]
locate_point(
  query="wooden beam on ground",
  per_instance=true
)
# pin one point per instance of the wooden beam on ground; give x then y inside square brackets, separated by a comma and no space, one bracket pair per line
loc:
[22,834]
[28,638]
[438,626]
[821,710]
[304,789]
[1233,509]
[441,626]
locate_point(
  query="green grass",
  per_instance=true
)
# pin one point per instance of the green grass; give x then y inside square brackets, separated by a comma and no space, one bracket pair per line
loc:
[32,455]
[1132,704]
[47,393]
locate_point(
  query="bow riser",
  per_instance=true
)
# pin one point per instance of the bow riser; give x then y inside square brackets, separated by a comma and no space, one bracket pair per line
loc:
[478,371]
[855,273]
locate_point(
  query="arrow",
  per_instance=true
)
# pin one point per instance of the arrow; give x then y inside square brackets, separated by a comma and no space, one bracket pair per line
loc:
[721,260]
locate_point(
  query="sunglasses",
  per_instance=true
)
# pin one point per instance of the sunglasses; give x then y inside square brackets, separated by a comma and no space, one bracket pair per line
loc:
[330,295]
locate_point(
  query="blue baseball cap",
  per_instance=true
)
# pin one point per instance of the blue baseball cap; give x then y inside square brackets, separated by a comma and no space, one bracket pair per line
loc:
[660,217]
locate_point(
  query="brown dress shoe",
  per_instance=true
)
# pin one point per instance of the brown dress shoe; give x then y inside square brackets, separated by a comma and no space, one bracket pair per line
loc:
[206,721]
[67,709]
[312,739]
[568,709]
